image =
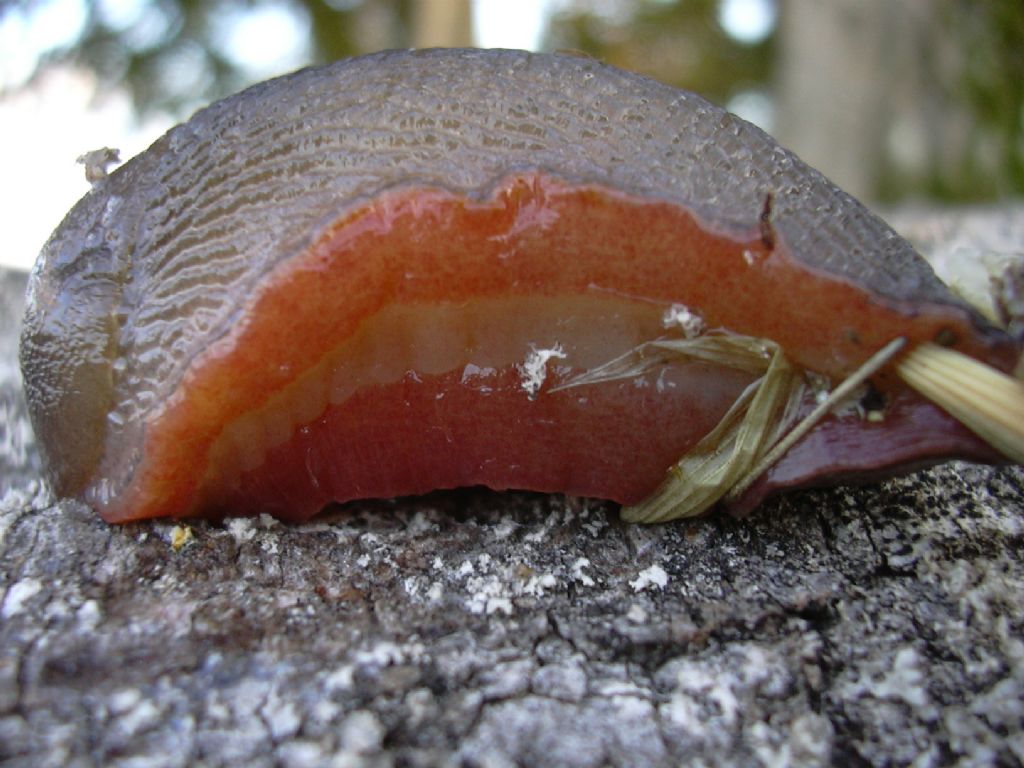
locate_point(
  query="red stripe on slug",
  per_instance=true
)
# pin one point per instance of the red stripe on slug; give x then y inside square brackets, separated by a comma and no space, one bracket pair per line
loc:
[534,236]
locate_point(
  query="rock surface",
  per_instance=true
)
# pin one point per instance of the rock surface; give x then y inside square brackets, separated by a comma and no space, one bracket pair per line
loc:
[871,626]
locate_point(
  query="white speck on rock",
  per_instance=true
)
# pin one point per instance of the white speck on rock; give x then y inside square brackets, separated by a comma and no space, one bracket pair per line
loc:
[123,700]
[488,595]
[241,529]
[648,578]
[495,604]
[412,586]
[301,754]
[339,679]
[362,732]
[632,707]
[382,655]
[534,369]
[566,682]
[579,575]
[504,529]
[637,614]
[905,682]
[88,614]
[683,711]
[139,718]
[538,584]
[281,716]
[324,711]
[506,679]
[810,739]
[19,594]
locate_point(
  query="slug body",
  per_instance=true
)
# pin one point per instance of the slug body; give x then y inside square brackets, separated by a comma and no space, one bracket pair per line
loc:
[370,279]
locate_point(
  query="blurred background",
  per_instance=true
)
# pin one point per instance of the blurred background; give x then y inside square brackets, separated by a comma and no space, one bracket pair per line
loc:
[895,100]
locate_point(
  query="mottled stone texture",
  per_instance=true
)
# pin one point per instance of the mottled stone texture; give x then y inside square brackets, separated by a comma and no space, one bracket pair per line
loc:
[875,626]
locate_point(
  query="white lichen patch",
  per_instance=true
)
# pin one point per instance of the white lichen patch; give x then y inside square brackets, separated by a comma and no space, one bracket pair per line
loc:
[122,700]
[722,688]
[566,682]
[281,716]
[534,370]
[412,585]
[88,615]
[579,575]
[538,584]
[904,682]
[488,595]
[650,578]
[504,529]
[680,316]
[387,653]
[435,593]
[140,717]
[241,529]
[18,595]
[362,733]
[637,614]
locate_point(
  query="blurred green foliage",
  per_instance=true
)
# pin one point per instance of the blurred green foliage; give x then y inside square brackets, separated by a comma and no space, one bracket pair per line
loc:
[680,43]
[171,59]
[170,55]
[991,37]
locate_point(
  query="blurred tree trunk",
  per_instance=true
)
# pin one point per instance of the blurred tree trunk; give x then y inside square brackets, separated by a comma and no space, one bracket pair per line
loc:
[378,26]
[835,74]
[442,23]
[866,93]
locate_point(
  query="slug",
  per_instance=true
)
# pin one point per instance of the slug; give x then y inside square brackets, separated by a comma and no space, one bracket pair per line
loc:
[421,270]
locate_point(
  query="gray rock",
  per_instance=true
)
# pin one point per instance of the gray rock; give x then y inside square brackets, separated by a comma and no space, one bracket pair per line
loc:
[877,626]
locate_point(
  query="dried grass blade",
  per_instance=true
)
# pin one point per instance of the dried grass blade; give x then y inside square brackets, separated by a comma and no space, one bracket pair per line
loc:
[987,401]
[705,474]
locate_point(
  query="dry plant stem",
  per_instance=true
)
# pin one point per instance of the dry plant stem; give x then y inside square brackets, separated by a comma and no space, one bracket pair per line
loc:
[985,400]
[701,477]
[753,436]
[845,388]
[741,352]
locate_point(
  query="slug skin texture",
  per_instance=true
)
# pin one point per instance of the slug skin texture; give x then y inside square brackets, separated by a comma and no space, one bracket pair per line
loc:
[374,278]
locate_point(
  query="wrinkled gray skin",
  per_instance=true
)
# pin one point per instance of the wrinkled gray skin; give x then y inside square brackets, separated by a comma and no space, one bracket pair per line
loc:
[156,262]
